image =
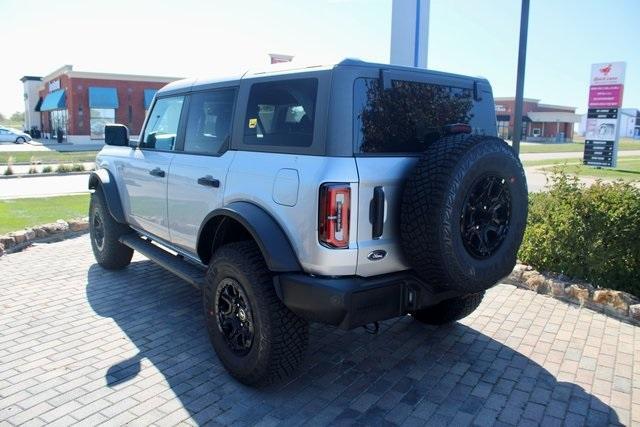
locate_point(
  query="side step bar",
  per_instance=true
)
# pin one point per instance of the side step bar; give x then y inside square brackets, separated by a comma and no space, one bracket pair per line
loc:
[186,270]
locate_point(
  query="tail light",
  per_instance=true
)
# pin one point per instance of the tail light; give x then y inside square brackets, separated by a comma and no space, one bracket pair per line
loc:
[333,215]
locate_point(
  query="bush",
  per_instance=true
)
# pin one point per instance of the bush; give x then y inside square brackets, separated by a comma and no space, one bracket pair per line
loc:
[8,171]
[77,167]
[47,169]
[590,233]
[63,168]
[32,170]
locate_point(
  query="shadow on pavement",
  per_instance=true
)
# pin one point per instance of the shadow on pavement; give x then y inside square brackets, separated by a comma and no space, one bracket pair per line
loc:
[407,372]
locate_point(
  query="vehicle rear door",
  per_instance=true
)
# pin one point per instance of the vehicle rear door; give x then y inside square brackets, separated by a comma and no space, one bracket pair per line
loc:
[396,116]
[198,172]
[145,174]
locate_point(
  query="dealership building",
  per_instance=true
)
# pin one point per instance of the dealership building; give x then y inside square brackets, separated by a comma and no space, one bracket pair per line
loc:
[540,122]
[79,104]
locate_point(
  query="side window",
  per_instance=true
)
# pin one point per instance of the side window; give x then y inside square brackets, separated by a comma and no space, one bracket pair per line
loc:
[407,117]
[281,113]
[209,121]
[162,126]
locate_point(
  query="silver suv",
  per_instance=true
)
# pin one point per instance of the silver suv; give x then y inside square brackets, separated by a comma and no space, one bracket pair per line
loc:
[344,194]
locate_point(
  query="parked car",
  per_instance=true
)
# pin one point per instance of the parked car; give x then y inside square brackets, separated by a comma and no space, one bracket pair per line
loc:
[344,194]
[13,135]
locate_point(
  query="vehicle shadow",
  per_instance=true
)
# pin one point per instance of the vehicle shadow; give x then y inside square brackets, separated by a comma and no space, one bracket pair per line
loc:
[349,377]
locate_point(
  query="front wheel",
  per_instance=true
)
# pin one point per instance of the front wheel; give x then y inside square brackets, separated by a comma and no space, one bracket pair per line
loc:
[256,337]
[105,232]
[449,310]
[20,140]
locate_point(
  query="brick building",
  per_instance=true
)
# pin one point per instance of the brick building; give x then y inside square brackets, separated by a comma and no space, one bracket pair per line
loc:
[80,103]
[540,122]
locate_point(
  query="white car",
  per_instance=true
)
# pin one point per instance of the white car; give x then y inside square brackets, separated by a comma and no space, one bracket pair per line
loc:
[13,135]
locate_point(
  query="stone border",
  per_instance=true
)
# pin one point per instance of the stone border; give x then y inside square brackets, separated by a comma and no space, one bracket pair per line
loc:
[618,304]
[41,174]
[59,230]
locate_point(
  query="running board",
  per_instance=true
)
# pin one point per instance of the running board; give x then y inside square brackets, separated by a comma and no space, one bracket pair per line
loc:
[185,270]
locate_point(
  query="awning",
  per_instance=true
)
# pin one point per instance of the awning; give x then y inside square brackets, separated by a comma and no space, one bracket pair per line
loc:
[103,97]
[148,97]
[526,119]
[503,117]
[56,100]
[554,116]
[38,104]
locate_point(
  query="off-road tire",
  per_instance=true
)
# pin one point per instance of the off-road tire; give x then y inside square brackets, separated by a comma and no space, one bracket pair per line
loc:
[280,337]
[450,310]
[107,249]
[433,199]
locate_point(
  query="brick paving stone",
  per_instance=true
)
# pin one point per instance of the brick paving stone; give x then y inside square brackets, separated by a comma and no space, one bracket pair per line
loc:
[81,345]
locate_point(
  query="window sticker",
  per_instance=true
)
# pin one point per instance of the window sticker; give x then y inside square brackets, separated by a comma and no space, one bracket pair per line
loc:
[253,123]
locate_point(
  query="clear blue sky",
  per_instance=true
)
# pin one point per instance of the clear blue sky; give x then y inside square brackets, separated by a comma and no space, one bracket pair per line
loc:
[191,37]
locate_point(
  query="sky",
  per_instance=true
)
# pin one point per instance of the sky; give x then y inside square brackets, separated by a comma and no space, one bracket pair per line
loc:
[211,37]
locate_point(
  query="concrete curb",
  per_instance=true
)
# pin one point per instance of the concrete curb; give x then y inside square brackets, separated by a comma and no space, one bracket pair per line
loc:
[618,304]
[40,175]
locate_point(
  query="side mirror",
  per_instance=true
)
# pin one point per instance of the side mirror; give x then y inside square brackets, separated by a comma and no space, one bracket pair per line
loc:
[116,135]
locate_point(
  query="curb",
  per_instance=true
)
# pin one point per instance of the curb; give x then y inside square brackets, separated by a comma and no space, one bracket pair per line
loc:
[617,304]
[53,232]
[40,175]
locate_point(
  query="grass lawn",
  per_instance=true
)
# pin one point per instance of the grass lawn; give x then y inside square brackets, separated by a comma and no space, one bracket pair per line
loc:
[16,214]
[628,168]
[24,157]
[625,144]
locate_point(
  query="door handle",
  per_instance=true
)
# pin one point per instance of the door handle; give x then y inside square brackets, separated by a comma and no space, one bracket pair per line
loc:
[209,181]
[376,213]
[157,172]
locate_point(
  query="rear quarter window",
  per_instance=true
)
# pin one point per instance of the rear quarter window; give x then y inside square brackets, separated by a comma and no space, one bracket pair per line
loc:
[407,117]
[281,113]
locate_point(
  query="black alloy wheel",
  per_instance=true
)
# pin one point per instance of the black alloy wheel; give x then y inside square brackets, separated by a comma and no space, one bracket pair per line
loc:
[486,214]
[234,316]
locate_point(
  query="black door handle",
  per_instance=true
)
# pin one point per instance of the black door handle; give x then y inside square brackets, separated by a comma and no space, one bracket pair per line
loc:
[157,172]
[209,181]
[376,213]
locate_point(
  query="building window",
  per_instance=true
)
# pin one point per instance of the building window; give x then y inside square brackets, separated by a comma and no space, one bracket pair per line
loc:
[59,121]
[503,130]
[99,118]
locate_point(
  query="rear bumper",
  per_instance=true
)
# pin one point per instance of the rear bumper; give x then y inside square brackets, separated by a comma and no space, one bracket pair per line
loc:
[349,302]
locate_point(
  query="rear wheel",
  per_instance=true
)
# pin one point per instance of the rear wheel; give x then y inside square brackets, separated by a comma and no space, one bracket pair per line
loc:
[105,232]
[449,310]
[256,337]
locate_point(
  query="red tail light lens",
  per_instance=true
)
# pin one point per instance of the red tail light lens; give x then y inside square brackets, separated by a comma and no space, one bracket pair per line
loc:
[333,215]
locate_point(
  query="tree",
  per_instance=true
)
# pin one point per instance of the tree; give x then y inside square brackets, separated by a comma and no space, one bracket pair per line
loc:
[2,118]
[17,117]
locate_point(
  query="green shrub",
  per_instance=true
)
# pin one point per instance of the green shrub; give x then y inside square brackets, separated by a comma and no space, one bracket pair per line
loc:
[32,170]
[590,233]
[62,168]
[77,167]
[8,171]
[47,169]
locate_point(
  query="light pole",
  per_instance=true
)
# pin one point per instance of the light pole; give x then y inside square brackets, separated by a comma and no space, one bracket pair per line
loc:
[522,58]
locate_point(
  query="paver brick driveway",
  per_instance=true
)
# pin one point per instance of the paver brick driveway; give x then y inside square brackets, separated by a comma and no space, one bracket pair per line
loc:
[79,344]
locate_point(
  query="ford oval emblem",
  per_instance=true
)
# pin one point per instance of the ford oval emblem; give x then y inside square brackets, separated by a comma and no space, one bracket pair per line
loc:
[376,255]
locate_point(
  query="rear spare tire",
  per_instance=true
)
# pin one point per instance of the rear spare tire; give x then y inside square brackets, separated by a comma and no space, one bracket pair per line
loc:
[449,310]
[464,211]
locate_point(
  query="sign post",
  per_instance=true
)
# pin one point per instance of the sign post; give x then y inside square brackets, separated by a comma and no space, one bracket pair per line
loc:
[603,116]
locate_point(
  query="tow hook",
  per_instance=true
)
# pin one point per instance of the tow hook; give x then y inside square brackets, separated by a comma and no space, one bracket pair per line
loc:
[372,328]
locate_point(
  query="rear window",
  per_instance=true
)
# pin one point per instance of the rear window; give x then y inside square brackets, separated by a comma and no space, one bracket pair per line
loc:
[281,113]
[407,117]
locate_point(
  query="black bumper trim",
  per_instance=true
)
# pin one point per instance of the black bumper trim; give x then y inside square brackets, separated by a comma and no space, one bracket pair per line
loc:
[352,301]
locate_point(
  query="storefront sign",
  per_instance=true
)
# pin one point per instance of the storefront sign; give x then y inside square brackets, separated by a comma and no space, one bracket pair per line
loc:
[605,96]
[603,118]
[54,85]
[500,108]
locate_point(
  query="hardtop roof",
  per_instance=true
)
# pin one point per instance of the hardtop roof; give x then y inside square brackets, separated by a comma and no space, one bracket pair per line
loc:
[290,68]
